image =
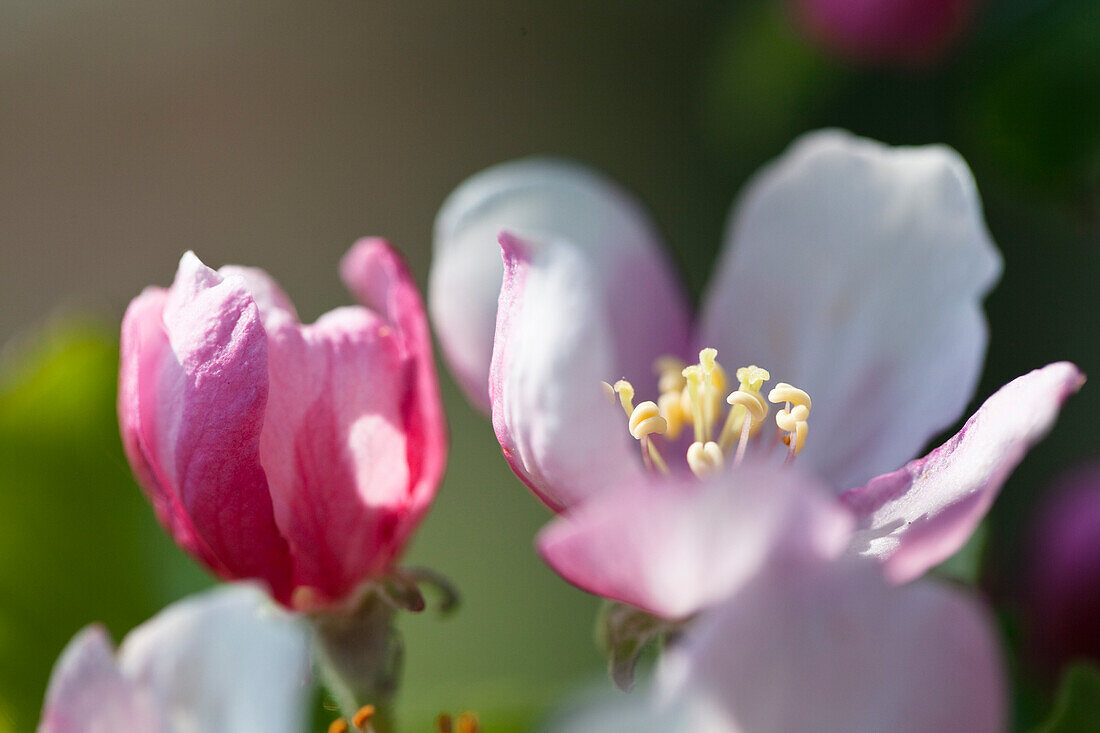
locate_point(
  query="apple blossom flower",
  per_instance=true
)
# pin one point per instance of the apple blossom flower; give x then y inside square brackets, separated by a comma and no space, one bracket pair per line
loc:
[1062,588]
[904,32]
[226,659]
[852,271]
[299,455]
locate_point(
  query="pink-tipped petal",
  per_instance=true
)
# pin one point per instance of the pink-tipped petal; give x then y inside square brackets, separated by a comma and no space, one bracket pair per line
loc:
[674,548]
[379,278]
[226,659]
[193,389]
[551,201]
[143,348]
[919,515]
[89,694]
[274,304]
[559,431]
[335,449]
[832,648]
[856,271]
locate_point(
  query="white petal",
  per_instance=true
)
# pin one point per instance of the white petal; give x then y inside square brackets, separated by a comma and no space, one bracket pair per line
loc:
[856,271]
[674,548]
[921,514]
[227,659]
[832,648]
[559,431]
[556,201]
[89,694]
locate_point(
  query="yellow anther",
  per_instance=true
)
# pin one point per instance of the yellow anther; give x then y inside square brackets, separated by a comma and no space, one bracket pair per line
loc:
[646,420]
[784,392]
[746,401]
[670,377]
[672,411]
[793,418]
[705,459]
[625,390]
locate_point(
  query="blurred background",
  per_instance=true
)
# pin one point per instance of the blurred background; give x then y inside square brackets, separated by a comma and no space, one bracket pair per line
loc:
[275,133]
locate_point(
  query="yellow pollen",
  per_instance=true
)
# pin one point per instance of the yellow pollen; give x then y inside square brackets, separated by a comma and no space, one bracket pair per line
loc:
[646,420]
[705,459]
[747,404]
[693,395]
[670,377]
[361,719]
[338,726]
[467,723]
[792,419]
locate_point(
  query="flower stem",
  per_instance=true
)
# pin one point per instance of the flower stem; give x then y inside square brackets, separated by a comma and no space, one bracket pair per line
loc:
[360,654]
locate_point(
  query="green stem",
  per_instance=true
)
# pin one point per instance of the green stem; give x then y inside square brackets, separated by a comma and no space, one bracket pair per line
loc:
[360,655]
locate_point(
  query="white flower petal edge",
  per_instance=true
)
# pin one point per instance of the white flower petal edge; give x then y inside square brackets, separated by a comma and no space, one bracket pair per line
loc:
[673,549]
[921,514]
[831,647]
[553,201]
[89,694]
[226,659]
[856,271]
[557,428]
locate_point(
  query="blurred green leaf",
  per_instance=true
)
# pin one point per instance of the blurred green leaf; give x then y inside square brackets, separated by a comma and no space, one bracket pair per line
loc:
[764,84]
[78,542]
[1077,709]
[966,564]
[1032,100]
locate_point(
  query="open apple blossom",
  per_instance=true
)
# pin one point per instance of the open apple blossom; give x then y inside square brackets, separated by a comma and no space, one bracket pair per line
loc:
[303,456]
[227,659]
[852,271]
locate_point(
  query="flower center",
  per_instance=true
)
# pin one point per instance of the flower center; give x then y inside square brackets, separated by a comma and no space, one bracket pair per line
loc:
[692,395]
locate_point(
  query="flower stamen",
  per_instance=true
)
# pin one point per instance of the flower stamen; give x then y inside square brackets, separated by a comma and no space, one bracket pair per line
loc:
[792,419]
[748,409]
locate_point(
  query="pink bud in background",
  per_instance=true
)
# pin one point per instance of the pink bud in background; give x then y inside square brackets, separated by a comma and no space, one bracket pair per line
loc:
[903,32]
[299,455]
[1064,572]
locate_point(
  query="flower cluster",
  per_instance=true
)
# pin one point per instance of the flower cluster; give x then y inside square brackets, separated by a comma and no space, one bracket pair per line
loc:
[760,526]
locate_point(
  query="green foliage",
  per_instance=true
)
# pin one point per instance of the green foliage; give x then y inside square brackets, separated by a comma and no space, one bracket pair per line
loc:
[966,564]
[78,542]
[1077,709]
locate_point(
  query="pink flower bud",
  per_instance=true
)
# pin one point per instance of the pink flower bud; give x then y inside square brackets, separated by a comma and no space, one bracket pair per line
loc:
[300,455]
[905,32]
[1064,578]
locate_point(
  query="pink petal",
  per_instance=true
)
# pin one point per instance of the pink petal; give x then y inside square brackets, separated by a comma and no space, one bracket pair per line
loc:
[89,694]
[559,432]
[379,278]
[200,407]
[335,448]
[856,272]
[143,347]
[274,304]
[551,201]
[674,548]
[831,648]
[921,514]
